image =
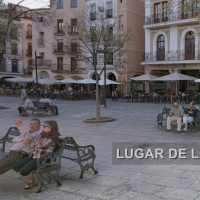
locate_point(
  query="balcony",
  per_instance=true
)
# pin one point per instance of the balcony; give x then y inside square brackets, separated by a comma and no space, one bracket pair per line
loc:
[28,35]
[40,62]
[65,68]
[109,13]
[58,49]
[172,57]
[157,20]
[72,49]
[93,16]
[59,31]
[40,42]
[72,30]
[79,57]
[28,52]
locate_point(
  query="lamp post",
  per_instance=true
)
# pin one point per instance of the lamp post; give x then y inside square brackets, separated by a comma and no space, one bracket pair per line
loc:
[36,57]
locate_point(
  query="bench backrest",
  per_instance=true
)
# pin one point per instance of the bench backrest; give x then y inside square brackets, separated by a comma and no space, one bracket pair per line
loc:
[70,149]
[11,133]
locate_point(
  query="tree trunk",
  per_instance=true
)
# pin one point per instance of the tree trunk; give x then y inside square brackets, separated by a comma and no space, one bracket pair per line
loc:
[97,98]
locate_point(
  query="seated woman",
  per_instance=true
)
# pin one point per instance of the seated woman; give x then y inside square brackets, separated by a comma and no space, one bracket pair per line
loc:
[45,144]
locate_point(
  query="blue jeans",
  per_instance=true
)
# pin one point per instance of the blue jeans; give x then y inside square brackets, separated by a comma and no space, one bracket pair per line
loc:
[186,120]
[25,166]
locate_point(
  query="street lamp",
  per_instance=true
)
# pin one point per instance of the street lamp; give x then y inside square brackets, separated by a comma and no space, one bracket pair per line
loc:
[36,57]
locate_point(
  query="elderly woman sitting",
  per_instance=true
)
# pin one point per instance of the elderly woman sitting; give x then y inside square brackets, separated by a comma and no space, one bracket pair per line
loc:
[46,143]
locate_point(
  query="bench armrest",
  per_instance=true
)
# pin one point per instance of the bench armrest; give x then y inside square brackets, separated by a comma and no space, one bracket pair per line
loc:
[48,160]
[84,151]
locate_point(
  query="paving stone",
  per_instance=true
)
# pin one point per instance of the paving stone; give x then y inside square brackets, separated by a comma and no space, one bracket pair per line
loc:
[178,193]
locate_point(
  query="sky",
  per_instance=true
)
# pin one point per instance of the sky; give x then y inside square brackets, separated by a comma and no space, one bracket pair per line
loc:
[31,3]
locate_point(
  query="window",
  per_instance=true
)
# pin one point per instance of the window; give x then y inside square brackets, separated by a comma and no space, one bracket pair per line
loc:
[93,34]
[60,45]
[93,12]
[73,64]
[121,22]
[59,63]
[14,65]
[74,28]
[189,46]
[41,38]
[14,33]
[74,46]
[73,3]
[29,30]
[161,48]
[14,49]
[60,26]
[109,60]
[109,11]
[156,12]
[59,4]
[164,12]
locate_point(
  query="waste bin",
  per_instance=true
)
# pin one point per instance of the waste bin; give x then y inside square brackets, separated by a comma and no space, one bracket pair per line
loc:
[102,98]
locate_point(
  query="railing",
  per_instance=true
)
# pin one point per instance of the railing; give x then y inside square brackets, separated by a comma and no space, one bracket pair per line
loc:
[174,16]
[93,16]
[28,52]
[64,68]
[171,55]
[58,49]
[72,49]
[72,29]
[59,30]
[28,34]
[40,42]
[109,13]
[40,62]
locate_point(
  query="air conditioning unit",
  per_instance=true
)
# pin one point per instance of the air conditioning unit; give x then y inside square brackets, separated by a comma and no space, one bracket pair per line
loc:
[101,8]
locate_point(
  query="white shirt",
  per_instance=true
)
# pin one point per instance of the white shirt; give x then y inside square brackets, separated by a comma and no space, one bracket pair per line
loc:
[19,145]
[46,100]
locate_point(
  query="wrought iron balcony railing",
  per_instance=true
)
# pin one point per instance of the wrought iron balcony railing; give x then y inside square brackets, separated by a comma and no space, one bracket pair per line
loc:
[28,34]
[173,16]
[28,52]
[40,42]
[65,68]
[59,49]
[59,30]
[72,29]
[171,55]
[40,62]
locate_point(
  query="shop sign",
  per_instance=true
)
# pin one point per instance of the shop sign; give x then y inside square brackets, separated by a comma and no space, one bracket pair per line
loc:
[175,66]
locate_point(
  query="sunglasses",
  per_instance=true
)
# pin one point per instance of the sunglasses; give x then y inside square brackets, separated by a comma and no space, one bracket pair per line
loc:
[45,126]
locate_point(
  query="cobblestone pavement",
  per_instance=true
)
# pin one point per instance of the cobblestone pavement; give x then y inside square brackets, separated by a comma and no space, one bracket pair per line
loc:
[134,122]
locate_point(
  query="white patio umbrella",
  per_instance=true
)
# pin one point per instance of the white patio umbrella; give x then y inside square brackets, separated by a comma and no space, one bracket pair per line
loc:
[87,81]
[26,80]
[68,80]
[175,77]
[197,80]
[48,81]
[145,77]
[108,82]
[13,80]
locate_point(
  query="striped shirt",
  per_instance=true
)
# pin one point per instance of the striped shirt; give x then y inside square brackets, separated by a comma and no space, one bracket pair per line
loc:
[42,147]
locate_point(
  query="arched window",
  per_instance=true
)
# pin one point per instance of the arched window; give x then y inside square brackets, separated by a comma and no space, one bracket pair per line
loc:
[73,3]
[189,46]
[59,4]
[161,47]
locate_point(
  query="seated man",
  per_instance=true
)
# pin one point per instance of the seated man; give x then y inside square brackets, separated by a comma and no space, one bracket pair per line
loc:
[25,105]
[21,147]
[175,114]
[51,105]
[189,116]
